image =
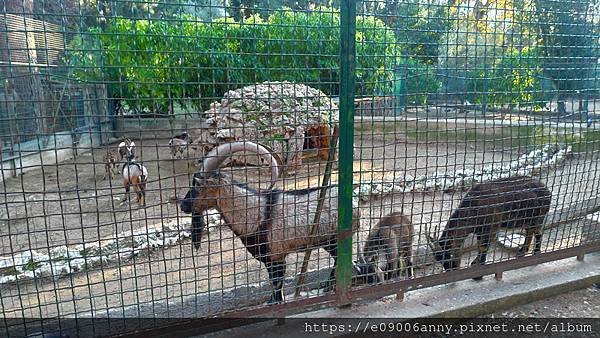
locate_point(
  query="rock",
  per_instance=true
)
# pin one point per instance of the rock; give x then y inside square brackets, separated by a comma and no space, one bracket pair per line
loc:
[512,241]
[273,113]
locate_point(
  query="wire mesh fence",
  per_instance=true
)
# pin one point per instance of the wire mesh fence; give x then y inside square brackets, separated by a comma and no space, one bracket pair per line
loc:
[184,159]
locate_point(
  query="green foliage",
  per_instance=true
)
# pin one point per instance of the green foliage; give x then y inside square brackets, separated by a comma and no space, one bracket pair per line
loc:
[568,44]
[420,27]
[155,64]
[85,56]
[415,81]
[515,78]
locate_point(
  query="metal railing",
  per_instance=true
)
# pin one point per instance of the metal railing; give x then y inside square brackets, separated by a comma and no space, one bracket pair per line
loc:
[431,109]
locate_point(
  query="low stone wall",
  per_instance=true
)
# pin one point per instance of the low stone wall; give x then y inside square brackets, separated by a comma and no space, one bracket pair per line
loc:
[62,146]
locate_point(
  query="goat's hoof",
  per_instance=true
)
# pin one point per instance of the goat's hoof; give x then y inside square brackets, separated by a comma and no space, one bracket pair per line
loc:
[275,300]
[327,286]
[478,278]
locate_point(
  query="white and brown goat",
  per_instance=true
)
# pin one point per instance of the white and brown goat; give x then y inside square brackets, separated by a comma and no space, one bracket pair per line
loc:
[392,235]
[134,175]
[515,202]
[271,223]
[127,149]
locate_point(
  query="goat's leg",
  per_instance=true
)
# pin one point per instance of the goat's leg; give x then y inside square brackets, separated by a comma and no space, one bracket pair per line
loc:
[393,263]
[114,171]
[331,248]
[484,244]
[142,194]
[391,269]
[127,185]
[528,239]
[138,194]
[538,243]
[106,171]
[408,266]
[276,271]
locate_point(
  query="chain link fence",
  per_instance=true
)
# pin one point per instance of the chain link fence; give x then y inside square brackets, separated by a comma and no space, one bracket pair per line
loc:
[169,160]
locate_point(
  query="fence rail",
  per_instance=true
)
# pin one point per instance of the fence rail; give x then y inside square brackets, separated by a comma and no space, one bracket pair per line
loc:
[169,160]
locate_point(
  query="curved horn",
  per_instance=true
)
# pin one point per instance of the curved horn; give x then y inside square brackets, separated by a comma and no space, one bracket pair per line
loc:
[219,154]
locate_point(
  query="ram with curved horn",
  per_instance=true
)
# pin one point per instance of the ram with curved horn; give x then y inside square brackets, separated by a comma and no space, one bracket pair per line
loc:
[271,223]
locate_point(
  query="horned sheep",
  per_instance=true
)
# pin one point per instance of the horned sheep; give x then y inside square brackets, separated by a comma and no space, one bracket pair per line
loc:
[271,223]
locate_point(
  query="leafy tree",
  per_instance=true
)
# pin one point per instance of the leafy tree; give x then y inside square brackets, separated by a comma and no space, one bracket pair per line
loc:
[154,64]
[568,45]
[516,79]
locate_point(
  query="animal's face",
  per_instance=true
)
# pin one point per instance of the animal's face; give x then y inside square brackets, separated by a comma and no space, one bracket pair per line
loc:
[127,149]
[202,196]
[367,273]
[372,248]
[446,252]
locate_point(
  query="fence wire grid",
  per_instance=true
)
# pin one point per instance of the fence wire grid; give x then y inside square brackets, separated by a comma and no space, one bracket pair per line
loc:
[190,159]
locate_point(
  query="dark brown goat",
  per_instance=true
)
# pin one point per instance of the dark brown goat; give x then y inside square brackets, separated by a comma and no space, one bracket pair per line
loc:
[515,202]
[393,235]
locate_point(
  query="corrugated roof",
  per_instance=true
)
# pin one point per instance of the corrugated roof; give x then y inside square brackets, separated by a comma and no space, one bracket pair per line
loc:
[41,41]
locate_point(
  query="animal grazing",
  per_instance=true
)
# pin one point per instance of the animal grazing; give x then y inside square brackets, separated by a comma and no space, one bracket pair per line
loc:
[366,273]
[392,235]
[127,149]
[271,223]
[134,175]
[179,144]
[110,164]
[515,202]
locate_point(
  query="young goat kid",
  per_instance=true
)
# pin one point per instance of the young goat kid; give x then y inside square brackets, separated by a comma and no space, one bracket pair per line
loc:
[392,235]
[271,223]
[515,202]
[110,164]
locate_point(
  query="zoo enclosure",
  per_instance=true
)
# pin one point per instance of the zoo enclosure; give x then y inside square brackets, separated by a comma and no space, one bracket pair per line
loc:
[433,97]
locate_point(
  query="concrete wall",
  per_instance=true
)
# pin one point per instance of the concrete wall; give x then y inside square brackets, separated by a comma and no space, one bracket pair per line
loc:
[149,128]
[60,147]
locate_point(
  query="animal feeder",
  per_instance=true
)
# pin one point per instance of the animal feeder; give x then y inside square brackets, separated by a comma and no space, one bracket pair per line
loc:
[294,120]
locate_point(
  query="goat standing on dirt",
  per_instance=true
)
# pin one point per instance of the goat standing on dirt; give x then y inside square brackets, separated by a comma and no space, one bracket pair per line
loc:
[134,175]
[515,202]
[393,235]
[271,223]
[110,164]
[179,144]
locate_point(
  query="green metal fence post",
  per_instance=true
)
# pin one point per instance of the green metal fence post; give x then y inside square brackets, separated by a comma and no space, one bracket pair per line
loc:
[347,79]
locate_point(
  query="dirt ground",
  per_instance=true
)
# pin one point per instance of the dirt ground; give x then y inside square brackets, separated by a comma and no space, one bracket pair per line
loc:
[70,204]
